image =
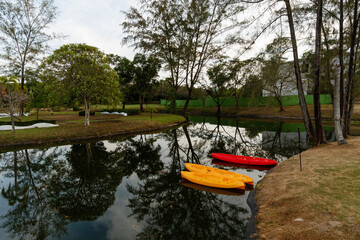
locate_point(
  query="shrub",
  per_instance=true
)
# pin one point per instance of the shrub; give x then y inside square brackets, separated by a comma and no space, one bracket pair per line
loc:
[82,113]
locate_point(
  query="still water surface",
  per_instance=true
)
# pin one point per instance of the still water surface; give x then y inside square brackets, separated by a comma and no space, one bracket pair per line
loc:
[131,188]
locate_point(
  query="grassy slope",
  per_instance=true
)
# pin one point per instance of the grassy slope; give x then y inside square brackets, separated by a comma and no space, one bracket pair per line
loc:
[326,195]
[71,126]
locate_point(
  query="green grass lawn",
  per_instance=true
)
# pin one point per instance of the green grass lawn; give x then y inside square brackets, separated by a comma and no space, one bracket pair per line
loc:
[71,126]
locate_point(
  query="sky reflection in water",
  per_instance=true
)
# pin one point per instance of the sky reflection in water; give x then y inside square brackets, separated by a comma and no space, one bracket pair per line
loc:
[130,188]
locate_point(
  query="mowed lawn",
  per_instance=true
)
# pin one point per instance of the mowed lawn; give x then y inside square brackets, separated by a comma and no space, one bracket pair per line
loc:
[71,127]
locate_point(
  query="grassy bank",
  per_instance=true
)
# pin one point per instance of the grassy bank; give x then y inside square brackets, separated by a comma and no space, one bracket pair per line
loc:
[320,202]
[71,127]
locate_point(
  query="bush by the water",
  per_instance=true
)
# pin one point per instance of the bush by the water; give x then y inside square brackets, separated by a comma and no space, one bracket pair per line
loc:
[82,113]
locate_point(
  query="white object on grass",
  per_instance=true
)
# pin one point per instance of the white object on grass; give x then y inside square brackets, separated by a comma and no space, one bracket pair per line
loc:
[37,125]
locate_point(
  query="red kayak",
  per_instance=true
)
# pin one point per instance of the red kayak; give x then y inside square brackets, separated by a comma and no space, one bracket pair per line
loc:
[238,165]
[244,159]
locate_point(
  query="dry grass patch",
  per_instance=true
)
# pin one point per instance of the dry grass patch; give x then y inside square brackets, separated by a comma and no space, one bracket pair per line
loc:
[325,195]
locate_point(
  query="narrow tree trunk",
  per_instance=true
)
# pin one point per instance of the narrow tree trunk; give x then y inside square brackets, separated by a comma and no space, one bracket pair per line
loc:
[304,109]
[11,114]
[278,98]
[218,106]
[187,100]
[37,114]
[87,112]
[320,133]
[123,105]
[337,118]
[341,61]
[141,104]
[22,89]
[237,102]
[339,81]
[348,87]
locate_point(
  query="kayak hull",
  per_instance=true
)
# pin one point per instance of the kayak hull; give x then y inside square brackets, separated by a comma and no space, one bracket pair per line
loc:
[220,172]
[238,165]
[244,159]
[229,191]
[212,180]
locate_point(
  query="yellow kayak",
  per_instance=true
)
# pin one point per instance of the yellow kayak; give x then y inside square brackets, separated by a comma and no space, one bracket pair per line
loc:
[212,180]
[215,171]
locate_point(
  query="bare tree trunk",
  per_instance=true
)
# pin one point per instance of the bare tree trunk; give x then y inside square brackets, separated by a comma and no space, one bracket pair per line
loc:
[341,61]
[141,103]
[320,133]
[304,109]
[87,112]
[337,118]
[11,113]
[237,101]
[187,100]
[218,106]
[349,84]
[337,95]
[278,98]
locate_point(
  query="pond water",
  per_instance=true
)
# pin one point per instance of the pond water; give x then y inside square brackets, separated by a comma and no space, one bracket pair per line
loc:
[131,188]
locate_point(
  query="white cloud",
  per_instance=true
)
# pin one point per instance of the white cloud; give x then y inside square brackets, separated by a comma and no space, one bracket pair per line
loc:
[96,23]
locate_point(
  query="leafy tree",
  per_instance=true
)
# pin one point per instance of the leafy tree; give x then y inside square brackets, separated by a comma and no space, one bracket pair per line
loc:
[13,96]
[320,133]
[24,34]
[277,74]
[145,71]
[219,76]
[277,77]
[201,94]
[138,75]
[185,35]
[37,96]
[125,69]
[78,72]
[303,105]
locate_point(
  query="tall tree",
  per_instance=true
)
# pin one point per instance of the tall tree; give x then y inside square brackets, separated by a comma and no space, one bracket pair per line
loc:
[277,74]
[13,96]
[125,69]
[24,33]
[349,83]
[78,72]
[303,105]
[339,81]
[320,133]
[184,34]
[219,76]
[145,71]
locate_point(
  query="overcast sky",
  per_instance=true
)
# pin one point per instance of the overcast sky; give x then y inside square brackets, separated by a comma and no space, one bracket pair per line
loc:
[94,22]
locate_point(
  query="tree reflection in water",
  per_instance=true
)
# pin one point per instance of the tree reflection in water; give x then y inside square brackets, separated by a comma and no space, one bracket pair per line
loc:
[172,211]
[47,189]
[34,218]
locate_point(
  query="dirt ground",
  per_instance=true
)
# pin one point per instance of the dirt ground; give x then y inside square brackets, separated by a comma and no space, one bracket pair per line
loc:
[320,202]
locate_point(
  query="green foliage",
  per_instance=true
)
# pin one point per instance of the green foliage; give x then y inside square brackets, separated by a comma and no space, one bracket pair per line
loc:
[172,99]
[185,35]
[137,75]
[24,32]
[220,76]
[151,110]
[82,113]
[80,73]
[37,95]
